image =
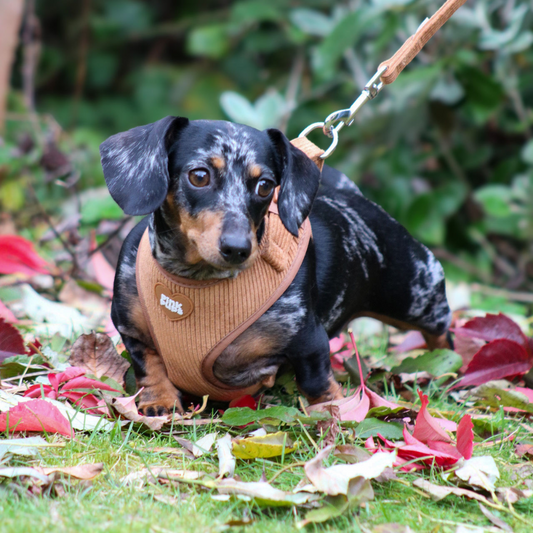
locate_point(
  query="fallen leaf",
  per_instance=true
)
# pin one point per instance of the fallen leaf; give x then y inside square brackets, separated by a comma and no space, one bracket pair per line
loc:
[244,401]
[479,471]
[498,522]
[427,428]
[152,474]
[23,471]
[11,341]
[19,256]
[465,437]
[514,400]
[270,445]
[96,353]
[262,492]
[26,446]
[492,327]
[335,479]
[372,427]
[51,317]
[435,363]
[204,445]
[127,408]
[226,460]
[438,492]
[412,340]
[351,453]
[512,494]
[524,449]
[35,415]
[86,472]
[241,416]
[501,358]
[6,313]
[359,491]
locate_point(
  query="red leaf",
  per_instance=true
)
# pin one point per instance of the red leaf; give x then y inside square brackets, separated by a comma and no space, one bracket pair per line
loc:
[36,415]
[336,344]
[427,428]
[6,313]
[32,349]
[37,390]
[465,437]
[244,401]
[82,382]
[11,341]
[492,327]
[89,402]
[498,359]
[19,256]
[61,377]
[467,347]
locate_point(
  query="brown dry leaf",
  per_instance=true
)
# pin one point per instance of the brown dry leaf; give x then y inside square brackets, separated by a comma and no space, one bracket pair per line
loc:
[171,451]
[330,427]
[96,354]
[89,471]
[127,408]
[512,495]
[145,476]
[351,453]
[336,479]
[438,492]
[498,522]
[524,449]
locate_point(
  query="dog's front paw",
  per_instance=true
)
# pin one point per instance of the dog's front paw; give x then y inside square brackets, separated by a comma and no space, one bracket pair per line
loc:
[160,401]
[333,392]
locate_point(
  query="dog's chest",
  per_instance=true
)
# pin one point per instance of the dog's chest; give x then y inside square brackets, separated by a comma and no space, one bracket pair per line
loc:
[193,322]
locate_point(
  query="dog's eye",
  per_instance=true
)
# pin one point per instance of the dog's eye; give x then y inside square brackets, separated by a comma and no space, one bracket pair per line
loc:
[264,188]
[199,177]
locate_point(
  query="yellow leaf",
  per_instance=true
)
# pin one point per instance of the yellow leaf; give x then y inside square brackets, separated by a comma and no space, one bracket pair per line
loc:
[270,445]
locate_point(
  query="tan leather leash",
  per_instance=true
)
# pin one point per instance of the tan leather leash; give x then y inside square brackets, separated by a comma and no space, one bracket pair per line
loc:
[387,72]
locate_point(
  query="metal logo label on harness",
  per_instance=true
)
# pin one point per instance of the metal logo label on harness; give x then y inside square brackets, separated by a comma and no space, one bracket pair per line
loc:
[176,306]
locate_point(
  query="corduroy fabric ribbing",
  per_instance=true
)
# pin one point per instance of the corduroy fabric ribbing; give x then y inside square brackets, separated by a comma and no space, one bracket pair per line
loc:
[222,309]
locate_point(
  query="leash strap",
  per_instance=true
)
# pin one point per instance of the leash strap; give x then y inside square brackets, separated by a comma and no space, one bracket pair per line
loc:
[387,72]
[416,42]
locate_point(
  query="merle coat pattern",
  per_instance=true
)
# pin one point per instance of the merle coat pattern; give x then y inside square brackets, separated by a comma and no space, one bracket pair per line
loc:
[206,186]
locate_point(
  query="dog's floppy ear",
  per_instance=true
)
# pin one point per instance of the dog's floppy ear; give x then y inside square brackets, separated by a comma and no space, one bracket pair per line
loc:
[135,165]
[299,183]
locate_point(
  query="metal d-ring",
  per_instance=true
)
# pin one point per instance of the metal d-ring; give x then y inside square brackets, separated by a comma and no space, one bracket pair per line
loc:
[334,136]
[345,117]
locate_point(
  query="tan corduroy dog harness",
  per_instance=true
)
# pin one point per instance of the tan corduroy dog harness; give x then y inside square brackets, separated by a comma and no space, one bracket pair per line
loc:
[192,322]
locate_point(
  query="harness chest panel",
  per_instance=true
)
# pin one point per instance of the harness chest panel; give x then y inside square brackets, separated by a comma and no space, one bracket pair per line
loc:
[192,322]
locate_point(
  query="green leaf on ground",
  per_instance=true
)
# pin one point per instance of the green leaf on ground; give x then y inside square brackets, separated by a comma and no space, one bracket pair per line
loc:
[436,363]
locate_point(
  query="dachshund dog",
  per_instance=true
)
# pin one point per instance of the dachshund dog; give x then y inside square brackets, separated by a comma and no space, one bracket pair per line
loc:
[206,187]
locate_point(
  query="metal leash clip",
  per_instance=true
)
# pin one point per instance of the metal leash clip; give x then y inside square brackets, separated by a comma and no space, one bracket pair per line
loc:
[345,117]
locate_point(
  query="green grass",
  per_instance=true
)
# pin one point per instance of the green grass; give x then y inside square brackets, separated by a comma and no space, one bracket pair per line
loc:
[106,504]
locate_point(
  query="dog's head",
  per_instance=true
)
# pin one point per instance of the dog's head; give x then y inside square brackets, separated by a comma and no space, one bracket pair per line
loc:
[212,181]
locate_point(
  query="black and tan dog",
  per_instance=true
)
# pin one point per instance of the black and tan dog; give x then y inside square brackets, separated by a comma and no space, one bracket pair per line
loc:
[206,187]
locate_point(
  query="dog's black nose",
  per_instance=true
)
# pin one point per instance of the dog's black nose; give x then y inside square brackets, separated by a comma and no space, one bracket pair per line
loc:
[235,249]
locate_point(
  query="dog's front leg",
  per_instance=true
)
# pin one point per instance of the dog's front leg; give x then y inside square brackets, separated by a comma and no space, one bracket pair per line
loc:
[158,395]
[309,355]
